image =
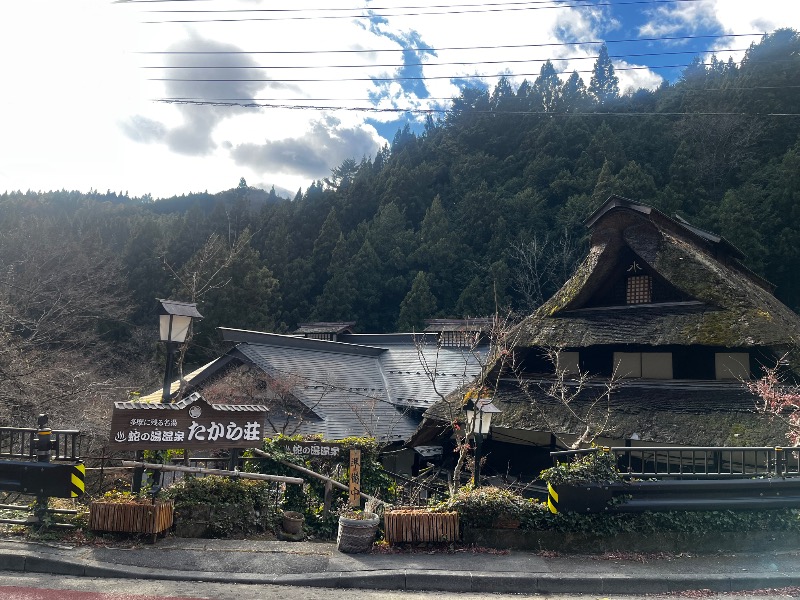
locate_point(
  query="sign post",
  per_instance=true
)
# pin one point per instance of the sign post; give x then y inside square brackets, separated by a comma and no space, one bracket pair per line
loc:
[355,477]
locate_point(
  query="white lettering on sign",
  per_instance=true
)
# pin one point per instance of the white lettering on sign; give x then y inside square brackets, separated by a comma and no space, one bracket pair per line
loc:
[307,449]
[251,431]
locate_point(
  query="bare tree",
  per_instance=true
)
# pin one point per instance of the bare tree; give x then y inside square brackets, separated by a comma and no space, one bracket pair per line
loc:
[248,385]
[60,298]
[207,270]
[499,358]
[580,401]
[542,265]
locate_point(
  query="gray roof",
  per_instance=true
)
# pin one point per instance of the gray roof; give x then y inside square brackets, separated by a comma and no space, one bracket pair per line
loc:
[376,387]
[324,327]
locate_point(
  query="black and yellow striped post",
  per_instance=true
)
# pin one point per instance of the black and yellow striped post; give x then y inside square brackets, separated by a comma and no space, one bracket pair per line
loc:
[552,499]
[77,480]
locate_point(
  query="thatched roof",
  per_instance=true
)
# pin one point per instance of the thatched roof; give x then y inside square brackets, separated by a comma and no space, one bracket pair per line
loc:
[690,413]
[711,298]
[702,296]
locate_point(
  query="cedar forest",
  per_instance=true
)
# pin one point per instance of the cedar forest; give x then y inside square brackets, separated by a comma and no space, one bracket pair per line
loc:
[482,209]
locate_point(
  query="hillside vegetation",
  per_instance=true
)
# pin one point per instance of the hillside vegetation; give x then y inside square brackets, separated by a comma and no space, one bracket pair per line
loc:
[484,208]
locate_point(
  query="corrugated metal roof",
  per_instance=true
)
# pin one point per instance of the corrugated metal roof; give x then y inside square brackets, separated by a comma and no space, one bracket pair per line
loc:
[408,381]
[347,391]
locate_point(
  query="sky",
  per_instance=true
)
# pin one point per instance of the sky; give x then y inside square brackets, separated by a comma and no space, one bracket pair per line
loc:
[90,86]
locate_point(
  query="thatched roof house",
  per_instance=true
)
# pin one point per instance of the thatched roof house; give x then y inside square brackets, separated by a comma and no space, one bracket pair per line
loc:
[670,312]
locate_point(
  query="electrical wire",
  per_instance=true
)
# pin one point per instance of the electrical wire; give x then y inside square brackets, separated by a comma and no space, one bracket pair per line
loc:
[551,6]
[415,78]
[676,38]
[442,64]
[375,109]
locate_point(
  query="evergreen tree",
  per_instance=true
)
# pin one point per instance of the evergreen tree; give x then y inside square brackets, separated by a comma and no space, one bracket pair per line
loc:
[418,305]
[604,84]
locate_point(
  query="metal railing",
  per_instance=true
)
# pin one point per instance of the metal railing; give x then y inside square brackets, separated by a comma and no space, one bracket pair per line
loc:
[18,443]
[699,462]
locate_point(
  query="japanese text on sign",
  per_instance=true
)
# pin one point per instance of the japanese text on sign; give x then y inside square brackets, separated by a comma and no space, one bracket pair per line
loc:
[326,450]
[355,477]
[250,431]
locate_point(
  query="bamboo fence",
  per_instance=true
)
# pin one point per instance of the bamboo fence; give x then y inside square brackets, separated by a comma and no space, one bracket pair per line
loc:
[410,525]
[130,517]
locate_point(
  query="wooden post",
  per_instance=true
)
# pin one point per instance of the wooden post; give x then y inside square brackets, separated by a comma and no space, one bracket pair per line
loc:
[326,502]
[355,477]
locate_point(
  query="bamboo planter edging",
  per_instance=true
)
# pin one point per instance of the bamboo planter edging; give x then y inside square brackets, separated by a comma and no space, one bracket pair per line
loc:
[130,517]
[410,526]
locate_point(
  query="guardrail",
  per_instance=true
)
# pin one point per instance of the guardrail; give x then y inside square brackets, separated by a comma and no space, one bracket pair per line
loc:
[685,478]
[698,462]
[19,443]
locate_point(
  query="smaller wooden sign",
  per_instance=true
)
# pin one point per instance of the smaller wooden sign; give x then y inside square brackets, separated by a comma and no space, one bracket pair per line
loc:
[324,450]
[355,477]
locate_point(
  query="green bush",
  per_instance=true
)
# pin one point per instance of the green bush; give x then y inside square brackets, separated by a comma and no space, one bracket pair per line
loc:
[480,507]
[237,506]
[599,466]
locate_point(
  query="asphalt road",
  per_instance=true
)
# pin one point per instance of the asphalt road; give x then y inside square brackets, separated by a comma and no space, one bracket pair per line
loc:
[32,586]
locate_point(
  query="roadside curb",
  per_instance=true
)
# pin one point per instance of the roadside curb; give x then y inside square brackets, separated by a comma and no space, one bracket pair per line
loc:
[415,579]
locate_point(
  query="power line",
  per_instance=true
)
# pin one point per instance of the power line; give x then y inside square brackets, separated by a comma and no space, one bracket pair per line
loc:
[451,48]
[550,6]
[379,8]
[442,64]
[405,78]
[446,110]
[431,98]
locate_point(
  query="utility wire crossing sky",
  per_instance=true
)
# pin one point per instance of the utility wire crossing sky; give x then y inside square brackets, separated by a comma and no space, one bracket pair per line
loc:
[175,96]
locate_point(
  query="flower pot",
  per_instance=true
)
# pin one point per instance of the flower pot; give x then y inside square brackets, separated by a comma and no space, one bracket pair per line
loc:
[356,534]
[292,522]
[131,517]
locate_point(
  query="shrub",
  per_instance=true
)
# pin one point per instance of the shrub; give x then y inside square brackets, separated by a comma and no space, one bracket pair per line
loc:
[308,499]
[480,507]
[234,506]
[599,466]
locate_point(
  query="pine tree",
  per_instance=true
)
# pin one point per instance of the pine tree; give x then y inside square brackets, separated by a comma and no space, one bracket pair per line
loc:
[604,85]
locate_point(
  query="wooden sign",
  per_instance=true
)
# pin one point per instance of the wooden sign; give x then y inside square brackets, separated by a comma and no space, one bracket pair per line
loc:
[324,450]
[189,423]
[355,477]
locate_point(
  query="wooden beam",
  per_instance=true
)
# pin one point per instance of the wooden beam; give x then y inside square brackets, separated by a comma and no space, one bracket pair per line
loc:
[204,471]
[305,471]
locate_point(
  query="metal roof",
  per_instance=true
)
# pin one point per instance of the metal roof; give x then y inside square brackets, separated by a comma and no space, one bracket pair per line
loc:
[324,327]
[175,307]
[378,394]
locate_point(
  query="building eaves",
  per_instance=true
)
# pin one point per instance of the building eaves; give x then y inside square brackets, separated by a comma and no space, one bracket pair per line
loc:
[300,343]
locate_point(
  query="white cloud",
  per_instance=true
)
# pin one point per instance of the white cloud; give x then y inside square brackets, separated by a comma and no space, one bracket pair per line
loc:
[78,108]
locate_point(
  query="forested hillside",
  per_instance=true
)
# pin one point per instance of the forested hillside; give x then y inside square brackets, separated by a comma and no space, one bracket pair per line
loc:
[482,209]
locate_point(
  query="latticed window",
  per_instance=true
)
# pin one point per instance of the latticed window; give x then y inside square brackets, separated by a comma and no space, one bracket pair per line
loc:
[639,289]
[455,339]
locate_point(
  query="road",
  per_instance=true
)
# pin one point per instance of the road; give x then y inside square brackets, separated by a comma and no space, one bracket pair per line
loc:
[33,586]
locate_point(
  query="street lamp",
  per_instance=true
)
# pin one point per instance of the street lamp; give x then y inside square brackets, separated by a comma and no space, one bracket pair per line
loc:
[479,412]
[174,321]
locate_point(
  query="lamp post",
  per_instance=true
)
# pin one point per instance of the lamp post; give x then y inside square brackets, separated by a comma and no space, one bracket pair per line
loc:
[479,413]
[175,318]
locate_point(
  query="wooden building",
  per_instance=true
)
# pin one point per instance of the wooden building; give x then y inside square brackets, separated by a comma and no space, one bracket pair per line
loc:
[665,310]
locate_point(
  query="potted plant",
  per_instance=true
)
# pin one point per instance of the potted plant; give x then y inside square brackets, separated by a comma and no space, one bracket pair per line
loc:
[292,522]
[357,531]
